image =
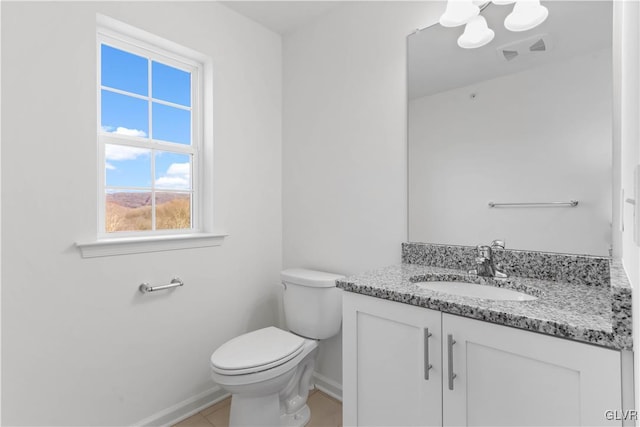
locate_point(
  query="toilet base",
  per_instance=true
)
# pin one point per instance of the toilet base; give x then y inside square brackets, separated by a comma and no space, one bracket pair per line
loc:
[260,399]
[267,410]
[299,419]
[254,410]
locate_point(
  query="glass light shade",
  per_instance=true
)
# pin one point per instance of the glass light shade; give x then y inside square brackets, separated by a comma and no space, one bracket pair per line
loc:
[458,12]
[476,33]
[527,14]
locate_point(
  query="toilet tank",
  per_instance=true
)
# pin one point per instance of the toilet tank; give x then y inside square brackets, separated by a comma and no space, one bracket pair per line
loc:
[312,303]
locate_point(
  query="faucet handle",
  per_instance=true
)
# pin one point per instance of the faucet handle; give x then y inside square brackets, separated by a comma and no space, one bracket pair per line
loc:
[497,244]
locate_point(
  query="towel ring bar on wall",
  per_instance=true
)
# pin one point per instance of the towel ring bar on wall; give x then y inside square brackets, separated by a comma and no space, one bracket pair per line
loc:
[572,204]
[175,282]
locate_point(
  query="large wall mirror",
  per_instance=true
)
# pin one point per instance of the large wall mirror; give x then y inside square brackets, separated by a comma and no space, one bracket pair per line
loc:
[524,119]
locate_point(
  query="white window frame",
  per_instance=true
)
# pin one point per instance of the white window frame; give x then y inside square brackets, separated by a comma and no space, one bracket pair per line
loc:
[125,37]
[137,47]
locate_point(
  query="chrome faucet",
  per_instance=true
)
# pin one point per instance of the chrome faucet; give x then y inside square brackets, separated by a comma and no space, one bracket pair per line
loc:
[485,264]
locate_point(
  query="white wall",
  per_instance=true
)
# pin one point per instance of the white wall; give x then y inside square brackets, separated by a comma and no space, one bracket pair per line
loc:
[81,345]
[543,134]
[627,144]
[344,142]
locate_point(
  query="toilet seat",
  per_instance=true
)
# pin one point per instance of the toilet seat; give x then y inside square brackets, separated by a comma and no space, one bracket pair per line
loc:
[256,351]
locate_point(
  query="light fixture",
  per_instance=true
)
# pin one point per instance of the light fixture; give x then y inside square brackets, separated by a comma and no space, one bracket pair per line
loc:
[526,15]
[458,12]
[476,33]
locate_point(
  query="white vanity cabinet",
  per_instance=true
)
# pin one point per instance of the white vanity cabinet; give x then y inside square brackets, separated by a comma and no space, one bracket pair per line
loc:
[386,353]
[509,377]
[503,376]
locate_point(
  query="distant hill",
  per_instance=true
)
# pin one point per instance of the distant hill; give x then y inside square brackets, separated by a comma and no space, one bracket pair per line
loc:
[137,199]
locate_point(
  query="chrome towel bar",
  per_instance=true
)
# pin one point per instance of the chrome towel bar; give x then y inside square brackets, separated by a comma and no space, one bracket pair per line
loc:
[175,282]
[572,203]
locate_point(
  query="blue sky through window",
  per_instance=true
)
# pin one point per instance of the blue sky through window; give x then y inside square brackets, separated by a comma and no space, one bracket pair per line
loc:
[124,114]
[171,124]
[125,71]
[129,115]
[127,166]
[170,84]
[173,171]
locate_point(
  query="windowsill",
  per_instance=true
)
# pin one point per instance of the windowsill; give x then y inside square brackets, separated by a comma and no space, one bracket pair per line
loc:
[137,245]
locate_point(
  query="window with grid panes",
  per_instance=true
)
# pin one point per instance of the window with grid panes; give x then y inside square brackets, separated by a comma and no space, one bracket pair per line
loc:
[149,139]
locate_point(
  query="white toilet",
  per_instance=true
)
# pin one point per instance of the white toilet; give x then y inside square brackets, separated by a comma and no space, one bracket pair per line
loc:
[268,371]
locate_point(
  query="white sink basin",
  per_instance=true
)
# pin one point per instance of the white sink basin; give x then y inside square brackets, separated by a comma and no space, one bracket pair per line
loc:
[476,291]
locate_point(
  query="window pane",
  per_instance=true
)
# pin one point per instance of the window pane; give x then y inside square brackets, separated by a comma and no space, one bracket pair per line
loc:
[124,115]
[127,166]
[170,84]
[173,171]
[171,124]
[125,71]
[173,211]
[127,211]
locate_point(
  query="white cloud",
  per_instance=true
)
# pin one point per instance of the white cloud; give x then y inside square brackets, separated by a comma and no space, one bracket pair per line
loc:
[178,176]
[124,131]
[109,166]
[121,152]
[179,169]
[130,132]
[172,182]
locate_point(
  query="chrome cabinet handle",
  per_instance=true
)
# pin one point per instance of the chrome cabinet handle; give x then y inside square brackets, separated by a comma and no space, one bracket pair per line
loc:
[450,343]
[427,365]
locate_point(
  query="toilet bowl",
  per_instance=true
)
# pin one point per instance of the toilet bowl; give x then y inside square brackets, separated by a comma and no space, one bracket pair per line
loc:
[268,371]
[272,387]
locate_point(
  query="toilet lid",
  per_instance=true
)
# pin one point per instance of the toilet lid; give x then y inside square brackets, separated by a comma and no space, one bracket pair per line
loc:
[256,351]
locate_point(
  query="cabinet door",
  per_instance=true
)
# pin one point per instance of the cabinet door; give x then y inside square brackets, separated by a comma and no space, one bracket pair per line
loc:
[507,377]
[385,350]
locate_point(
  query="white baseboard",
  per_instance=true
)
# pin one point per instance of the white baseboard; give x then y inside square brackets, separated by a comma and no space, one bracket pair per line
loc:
[184,409]
[328,386]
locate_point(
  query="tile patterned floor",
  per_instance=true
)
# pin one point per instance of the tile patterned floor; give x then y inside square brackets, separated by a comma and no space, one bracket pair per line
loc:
[325,412]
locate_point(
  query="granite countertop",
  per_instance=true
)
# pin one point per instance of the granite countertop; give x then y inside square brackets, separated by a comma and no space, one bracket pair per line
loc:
[596,313]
